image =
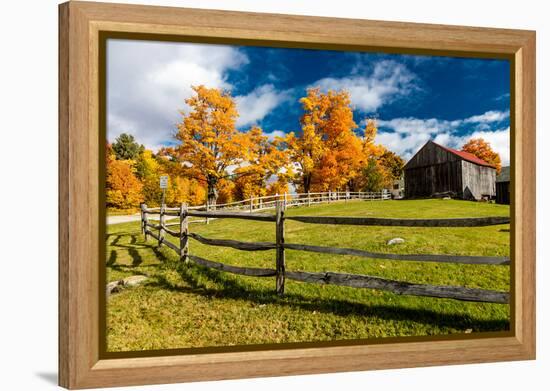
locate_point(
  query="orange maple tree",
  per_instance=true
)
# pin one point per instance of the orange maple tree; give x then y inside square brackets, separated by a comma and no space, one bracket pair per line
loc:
[330,152]
[265,160]
[326,150]
[482,149]
[210,143]
[122,186]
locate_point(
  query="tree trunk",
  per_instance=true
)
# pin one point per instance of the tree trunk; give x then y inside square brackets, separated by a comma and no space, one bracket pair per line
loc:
[306,181]
[212,190]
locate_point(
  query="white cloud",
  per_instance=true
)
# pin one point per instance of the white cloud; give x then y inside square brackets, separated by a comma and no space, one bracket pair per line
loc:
[404,145]
[405,136]
[505,96]
[148,82]
[276,133]
[387,81]
[489,116]
[254,106]
[417,125]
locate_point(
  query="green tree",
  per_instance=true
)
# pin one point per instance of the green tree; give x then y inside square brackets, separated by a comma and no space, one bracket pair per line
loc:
[372,177]
[393,164]
[125,147]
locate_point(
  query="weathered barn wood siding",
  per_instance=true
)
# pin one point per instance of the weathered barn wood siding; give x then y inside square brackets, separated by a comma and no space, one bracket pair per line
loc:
[478,181]
[432,170]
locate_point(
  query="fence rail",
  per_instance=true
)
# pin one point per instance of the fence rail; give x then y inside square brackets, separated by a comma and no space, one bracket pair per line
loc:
[351,280]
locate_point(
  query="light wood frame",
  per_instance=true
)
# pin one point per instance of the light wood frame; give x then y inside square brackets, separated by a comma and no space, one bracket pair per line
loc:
[80,363]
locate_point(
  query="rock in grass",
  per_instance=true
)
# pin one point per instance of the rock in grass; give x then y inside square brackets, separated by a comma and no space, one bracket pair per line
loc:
[117,286]
[113,287]
[395,241]
[134,280]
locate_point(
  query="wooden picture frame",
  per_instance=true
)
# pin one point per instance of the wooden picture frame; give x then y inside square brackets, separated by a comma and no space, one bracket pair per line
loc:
[81,364]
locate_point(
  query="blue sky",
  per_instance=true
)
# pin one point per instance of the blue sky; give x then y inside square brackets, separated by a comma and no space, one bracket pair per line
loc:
[414,98]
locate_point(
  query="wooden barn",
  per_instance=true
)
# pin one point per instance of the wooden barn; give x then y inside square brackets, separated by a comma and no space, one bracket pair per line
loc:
[503,186]
[437,170]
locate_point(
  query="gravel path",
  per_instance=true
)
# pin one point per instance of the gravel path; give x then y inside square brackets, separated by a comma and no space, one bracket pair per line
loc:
[130,218]
[123,219]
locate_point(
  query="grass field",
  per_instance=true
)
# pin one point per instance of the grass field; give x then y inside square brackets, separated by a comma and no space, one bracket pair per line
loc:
[189,306]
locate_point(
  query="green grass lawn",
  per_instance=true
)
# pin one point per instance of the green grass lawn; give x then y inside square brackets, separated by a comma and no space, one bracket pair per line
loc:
[185,306]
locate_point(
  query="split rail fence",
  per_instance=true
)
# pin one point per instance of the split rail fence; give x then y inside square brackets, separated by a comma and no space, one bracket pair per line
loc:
[184,213]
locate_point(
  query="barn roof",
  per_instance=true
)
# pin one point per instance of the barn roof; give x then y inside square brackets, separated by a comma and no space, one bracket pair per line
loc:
[467,156]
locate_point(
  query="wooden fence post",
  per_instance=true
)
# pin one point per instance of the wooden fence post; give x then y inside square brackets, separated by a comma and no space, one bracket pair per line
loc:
[184,233]
[308,199]
[251,204]
[207,209]
[280,241]
[144,219]
[161,224]
[329,194]
[141,220]
[284,201]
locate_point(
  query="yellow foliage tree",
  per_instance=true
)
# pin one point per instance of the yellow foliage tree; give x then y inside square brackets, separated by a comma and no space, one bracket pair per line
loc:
[226,190]
[123,188]
[265,160]
[148,169]
[307,148]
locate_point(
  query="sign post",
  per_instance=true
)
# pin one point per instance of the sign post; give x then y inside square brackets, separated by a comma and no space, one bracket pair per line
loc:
[163,186]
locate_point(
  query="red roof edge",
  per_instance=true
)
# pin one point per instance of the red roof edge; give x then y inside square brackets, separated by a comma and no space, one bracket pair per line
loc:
[466,156]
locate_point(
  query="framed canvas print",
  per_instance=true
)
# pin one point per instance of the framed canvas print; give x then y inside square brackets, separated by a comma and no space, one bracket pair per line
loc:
[247,195]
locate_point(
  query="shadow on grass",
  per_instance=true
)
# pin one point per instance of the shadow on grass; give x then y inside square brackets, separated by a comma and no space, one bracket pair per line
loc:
[133,249]
[231,289]
[194,275]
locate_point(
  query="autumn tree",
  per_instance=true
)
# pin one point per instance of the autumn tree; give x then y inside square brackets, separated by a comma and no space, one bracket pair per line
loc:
[343,156]
[482,149]
[326,148]
[226,191]
[264,160]
[381,166]
[210,143]
[148,170]
[125,147]
[392,165]
[123,188]
[181,189]
[307,148]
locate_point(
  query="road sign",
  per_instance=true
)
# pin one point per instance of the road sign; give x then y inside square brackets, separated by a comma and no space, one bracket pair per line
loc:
[164,181]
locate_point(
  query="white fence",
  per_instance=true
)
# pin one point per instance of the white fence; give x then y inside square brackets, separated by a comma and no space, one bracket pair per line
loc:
[293,199]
